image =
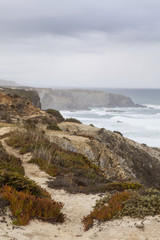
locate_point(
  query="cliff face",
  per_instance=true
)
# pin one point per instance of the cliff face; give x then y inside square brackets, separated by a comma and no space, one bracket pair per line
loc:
[81,99]
[119,157]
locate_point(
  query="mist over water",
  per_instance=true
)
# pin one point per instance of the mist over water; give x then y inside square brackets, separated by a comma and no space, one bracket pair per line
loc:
[139,124]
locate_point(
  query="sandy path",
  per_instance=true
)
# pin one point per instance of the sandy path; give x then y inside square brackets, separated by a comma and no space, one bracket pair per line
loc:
[75,207]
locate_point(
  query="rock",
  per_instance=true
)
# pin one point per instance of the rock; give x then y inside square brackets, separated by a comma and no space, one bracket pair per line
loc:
[119,157]
[140,225]
[82,99]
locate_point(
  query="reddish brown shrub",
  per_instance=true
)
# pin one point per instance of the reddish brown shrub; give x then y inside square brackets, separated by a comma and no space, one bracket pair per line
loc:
[25,207]
[107,211]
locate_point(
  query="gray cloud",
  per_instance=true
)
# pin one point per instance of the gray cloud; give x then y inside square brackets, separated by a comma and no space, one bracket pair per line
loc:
[133,20]
[80,43]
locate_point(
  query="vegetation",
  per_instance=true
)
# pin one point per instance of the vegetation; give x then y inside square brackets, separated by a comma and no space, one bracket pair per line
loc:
[118,133]
[53,126]
[26,199]
[5,116]
[142,203]
[27,140]
[136,204]
[25,207]
[120,186]
[73,171]
[31,95]
[72,120]
[21,183]
[10,163]
[107,211]
[55,113]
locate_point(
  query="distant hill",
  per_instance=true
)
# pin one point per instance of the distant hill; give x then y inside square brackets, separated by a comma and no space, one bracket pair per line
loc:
[80,99]
[8,83]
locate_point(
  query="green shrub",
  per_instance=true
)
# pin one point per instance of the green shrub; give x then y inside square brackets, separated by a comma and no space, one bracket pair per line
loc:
[121,186]
[55,113]
[53,126]
[74,120]
[21,183]
[74,172]
[118,133]
[142,203]
[10,162]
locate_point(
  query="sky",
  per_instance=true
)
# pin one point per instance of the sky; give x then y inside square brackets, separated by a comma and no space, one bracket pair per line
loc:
[80,43]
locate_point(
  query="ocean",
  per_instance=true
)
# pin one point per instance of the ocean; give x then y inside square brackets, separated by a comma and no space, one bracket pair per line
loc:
[139,124]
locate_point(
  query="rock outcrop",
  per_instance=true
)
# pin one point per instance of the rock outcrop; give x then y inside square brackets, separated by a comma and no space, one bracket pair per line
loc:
[119,157]
[82,99]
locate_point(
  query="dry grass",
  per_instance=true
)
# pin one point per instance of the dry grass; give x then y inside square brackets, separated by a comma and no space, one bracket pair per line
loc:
[73,171]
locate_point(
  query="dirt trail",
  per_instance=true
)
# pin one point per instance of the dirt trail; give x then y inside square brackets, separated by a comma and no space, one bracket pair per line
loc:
[75,207]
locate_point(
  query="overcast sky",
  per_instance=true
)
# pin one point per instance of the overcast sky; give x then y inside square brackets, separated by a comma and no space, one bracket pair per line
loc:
[80,43]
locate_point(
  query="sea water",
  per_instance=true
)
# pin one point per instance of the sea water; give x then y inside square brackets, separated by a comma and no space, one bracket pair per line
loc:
[139,124]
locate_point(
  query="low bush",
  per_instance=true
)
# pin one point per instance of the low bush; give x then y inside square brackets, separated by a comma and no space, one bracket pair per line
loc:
[25,207]
[136,204]
[55,113]
[12,174]
[117,132]
[53,126]
[26,140]
[74,120]
[30,124]
[10,162]
[142,203]
[74,172]
[121,186]
[107,211]
[21,183]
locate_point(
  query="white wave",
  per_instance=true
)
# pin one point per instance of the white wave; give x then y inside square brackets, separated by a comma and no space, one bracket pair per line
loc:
[151,106]
[141,125]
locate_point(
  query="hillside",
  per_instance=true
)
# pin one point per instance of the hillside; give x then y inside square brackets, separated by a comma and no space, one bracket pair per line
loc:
[8,83]
[58,170]
[32,95]
[78,99]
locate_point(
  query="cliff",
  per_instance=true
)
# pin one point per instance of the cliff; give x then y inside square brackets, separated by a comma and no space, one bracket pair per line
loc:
[76,99]
[56,175]
[120,158]
[116,156]
[32,95]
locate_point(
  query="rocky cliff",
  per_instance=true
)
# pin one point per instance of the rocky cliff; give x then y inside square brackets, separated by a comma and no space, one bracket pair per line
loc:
[73,158]
[119,157]
[81,99]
